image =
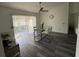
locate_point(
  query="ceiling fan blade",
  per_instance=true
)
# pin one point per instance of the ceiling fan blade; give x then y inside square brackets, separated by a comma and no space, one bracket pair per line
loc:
[41,9]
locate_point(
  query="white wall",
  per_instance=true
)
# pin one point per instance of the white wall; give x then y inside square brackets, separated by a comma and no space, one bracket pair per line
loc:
[74,12]
[77,46]
[71,20]
[60,21]
[1,49]
[76,23]
[74,7]
[6,22]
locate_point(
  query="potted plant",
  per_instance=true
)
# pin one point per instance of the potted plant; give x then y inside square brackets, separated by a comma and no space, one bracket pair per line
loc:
[6,41]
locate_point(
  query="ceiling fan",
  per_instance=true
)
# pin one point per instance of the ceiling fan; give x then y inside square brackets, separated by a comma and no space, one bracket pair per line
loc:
[42,8]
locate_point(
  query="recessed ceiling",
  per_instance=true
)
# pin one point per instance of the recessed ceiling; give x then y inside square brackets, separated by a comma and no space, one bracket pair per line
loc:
[29,6]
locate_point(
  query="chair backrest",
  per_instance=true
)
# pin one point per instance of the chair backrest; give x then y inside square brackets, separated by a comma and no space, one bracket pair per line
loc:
[50,29]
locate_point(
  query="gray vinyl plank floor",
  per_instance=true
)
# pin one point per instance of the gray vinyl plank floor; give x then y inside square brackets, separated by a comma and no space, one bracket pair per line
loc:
[60,46]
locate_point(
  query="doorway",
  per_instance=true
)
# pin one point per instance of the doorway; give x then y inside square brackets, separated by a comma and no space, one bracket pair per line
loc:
[23,30]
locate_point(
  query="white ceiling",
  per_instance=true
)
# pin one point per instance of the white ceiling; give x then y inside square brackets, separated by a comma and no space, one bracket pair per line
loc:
[29,6]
